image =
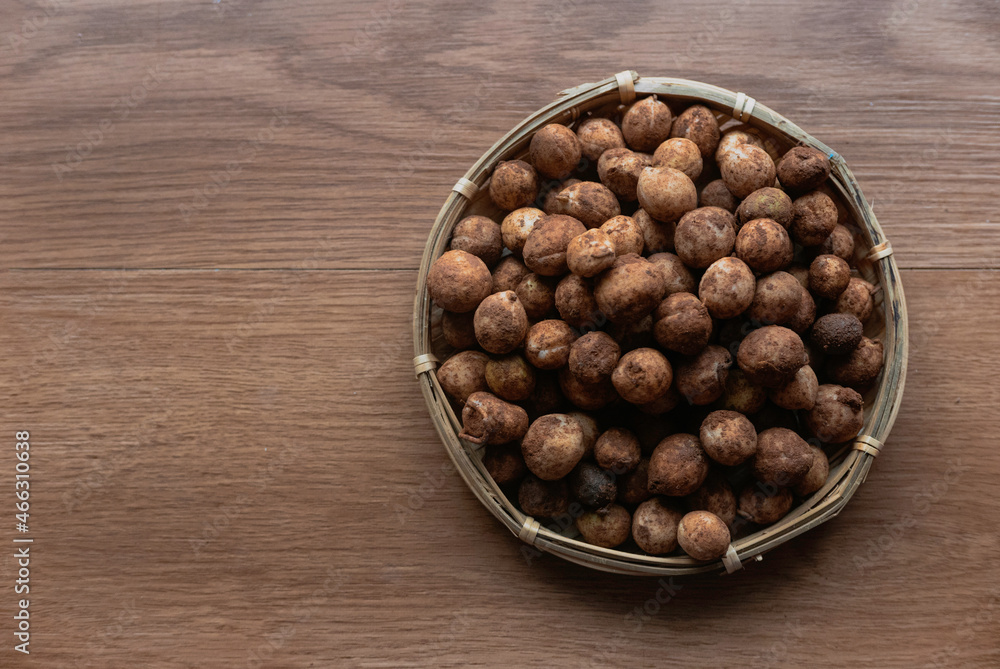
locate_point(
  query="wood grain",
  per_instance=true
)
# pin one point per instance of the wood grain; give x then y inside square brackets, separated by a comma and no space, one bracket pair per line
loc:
[232,464]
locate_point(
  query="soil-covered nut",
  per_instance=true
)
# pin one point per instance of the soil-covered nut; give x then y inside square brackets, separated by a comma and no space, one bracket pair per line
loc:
[646,124]
[840,243]
[543,499]
[782,457]
[552,446]
[514,184]
[550,205]
[728,437]
[703,535]
[508,273]
[676,276]
[741,395]
[859,368]
[764,245]
[618,451]
[767,202]
[733,138]
[591,253]
[837,334]
[804,316]
[746,168]
[776,299]
[704,235]
[681,323]
[715,496]
[698,123]
[681,154]
[654,526]
[715,194]
[548,342]
[678,466]
[814,219]
[801,274]
[803,168]
[589,202]
[593,486]
[586,396]
[619,170]
[608,527]
[555,151]
[770,356]
[500,322]
[759,507]
[593,357]
[657,237]
[702,379]
[516,227]
[463,374]
[625,234]
[816,477]
[642,375]
[479,236]
[487,419]
[727,287]
[545,249]
[504,463]
[857,299]
[799,393]
[575,302]
[598,135]
[829,276]
[510,377]
[591,431]
[630,290]
[459,330]
[837,415]
[633,487]
[458,281]
[537,295]
[666,194]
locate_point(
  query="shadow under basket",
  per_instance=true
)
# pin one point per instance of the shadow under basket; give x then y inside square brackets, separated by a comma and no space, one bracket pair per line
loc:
[849,464]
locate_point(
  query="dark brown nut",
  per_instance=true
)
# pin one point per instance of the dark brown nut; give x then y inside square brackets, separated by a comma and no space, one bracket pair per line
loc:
[646,124]
[508,273]
[487,419]
[702,379]
[715,194]
[463,374]
[840,243]
[704,235]
[586,396]
[829,276]
[776,299]
[555,151]
[816,477]
[576,304]
[625,233]
[633,487]
[681,154]
[764,245]
[783,457]
[799,393]
[479,236]
[619,170]
[768,202]
[741,395]
[654,526]
[746,168]
[608,527]
[630,290]
[728,437]
[514,184]
[550,203]
[642,376]
[698,123]
[552,446]
[837,334]
[666,194]
[715,496]
[837,415]
[804,316]
[593,357]
[681,323]
[703,535]
[678,466]
[598,135]
[537,295]
[504,463]
[543,499]
[657,237]
[814,220]
[516,227]
[501,323]
[510,378]
[859,368]
[803,168]
[727,287]
[759,507]
[736,136]
[589,202]
[618,451]
[676,276]
[770,356]
[857,299]
[594,487]
[545,250]
[591,253]
[458,281]
[591,431]
[548,343]
[459,330]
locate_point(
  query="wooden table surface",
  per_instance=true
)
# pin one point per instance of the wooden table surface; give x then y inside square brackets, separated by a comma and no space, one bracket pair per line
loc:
[211,215]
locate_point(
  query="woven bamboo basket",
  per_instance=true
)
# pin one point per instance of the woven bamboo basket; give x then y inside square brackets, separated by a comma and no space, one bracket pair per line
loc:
[849,465]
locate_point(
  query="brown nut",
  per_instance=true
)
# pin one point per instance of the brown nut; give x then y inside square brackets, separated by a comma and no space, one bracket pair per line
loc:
[479,236]
[767,202]
[783,457]
[459,330]
[597,135]
[646,124]
[799,393]
[586,396]
[576,304]
[746,168]
[501,323]
[762,508]
[594,487]
[516,227]
[770,356]
[508,273]
[593,357]
[829,276]
[543,499]
[681,154]
[545,249]
[666,194]
[704,235]
[764,245]
[837,334]
[630,290]
[676,276]
[589,202]
[715,496]
[555,151]
[727,287]
[803,168]
[633,487]
[859,368]
[458,281]
[514,184]
[550,203]
[837,415]
[463,374]
[840,243]
[591,253]
[702,379]
[552,446]
[804,316]
[537,295]
[678,466]
[703,535]
[619,170]
[814,219]
[857,299]
[657,237]
[608,527]
[642,376]
[504,463]
[487,419]
[741,395]
[625,233]
[736,136]
[591,431]
[618,451]
[728,437]
[816,477]
[654,526]
[681,323]
[698,123]
[547,344]
[715,194]
[510,378]
[776,299]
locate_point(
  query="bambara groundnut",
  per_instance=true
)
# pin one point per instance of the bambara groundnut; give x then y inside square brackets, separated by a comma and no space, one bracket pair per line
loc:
[727,288]
[487,419]
[654,525]
[514,184]
[555,151]
[703,535]
[463,374]
[678,466]
[552,446]
[458,281]
[501,322]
